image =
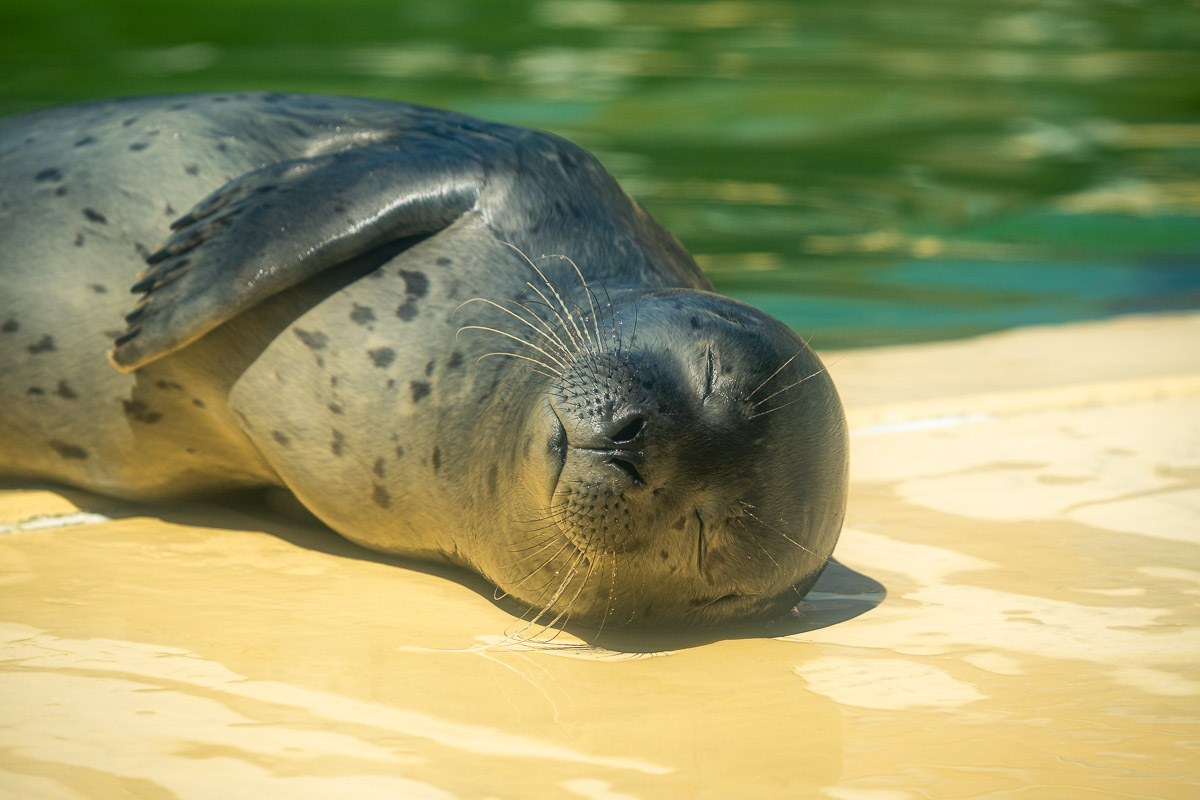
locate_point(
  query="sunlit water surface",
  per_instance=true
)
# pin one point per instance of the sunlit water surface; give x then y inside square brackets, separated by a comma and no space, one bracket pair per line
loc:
[869,172]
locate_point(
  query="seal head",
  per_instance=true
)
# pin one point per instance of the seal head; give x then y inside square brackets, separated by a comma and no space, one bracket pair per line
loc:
[690,467]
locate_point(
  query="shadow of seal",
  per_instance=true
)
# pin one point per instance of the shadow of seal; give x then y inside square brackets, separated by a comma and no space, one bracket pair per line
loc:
[450,339]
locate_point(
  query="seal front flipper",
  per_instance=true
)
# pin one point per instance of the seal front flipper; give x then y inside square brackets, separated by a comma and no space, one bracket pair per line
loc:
[271,229]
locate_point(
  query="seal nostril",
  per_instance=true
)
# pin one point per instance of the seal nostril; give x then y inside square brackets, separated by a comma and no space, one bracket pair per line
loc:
[627,468]
[629,431]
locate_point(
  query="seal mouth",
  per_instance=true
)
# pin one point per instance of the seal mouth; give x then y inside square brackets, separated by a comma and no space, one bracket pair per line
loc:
[557,450]
[723,601]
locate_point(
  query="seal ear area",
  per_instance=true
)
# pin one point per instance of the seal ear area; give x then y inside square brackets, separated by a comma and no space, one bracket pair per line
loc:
[273,228]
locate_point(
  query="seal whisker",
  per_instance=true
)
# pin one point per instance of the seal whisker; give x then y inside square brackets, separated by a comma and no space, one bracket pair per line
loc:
[561,321]
[556,374]
[558,293]
[570,348]
[553,287]
[769,527]
[754,539]
[565,546]
[567,608]
[789,386]
[516,339]
[587,290]
[612,591]
[779,369]
[773,410]
[572,568]
[555,341]
[566,351]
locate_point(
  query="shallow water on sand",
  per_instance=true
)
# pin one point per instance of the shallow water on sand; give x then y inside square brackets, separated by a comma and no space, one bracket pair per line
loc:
[1014,614]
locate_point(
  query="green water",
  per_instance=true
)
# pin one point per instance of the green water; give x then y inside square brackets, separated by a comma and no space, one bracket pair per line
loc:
[870,172]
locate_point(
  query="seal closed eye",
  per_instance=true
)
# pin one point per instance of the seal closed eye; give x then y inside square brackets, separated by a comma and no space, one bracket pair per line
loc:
[360,301]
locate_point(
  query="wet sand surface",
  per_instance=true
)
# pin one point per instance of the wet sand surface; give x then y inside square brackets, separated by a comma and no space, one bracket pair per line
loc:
[1013,614]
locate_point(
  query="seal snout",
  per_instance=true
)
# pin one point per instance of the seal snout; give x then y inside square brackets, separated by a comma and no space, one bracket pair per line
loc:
[614,448]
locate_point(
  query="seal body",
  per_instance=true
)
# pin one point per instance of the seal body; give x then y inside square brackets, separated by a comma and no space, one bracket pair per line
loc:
[450,339]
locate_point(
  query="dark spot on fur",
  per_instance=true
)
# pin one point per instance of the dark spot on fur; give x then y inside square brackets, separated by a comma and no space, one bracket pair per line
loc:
[137,411]
[44,345]
[399,451]
[382,356]
[665,555]
[380,468]
[492,483]
[177,106]
[60,191]
[335,446]
[36,390]
[98,288]
[381,497]
[361,315]
[79,240]
[196,401]
[138,146]
[415,283]
[335,408]
[65,392]
[47,175]
[192,169]
[281,438]
[314,341]
[416,286]
[455,360]
[419,390]
[695,322]
[170,212]
[333,381]
[95,216]
[391,384]
[85,141]
[679,524]
[167,385]
[68,450]
[428,368]
[444,262]
[10,326]
[435,458]
[127,122]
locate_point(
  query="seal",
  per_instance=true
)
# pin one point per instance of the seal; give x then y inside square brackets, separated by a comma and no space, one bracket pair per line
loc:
[450,339]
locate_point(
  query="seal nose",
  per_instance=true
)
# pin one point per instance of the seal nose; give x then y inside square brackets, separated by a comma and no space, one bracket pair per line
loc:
[625,437]
[626,428]
[617,439]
